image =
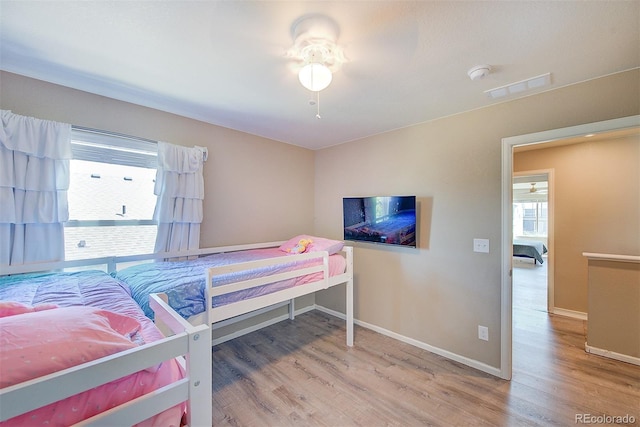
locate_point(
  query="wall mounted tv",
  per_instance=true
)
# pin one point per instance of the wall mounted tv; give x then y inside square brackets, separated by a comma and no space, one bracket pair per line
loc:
[389,220]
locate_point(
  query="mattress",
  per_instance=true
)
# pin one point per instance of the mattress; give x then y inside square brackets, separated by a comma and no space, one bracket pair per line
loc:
[184,281]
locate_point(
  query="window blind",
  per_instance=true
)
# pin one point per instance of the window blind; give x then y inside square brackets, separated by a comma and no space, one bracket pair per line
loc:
[106,147]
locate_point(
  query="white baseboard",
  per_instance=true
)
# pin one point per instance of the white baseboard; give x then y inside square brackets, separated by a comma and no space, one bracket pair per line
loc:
[612,354]
[444,353]
[569,313]
[333,313]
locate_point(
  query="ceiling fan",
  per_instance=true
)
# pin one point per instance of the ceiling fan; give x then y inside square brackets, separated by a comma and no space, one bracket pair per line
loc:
[315,52]
[374,44]
[533,189]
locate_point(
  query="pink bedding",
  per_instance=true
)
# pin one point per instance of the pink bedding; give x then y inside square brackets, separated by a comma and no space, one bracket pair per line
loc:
[42,339]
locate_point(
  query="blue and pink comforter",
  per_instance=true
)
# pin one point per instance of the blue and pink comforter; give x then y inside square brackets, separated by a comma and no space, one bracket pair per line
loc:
[184,281]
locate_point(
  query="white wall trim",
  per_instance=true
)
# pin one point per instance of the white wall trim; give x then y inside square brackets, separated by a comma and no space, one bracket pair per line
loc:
[508,144]
[612,354]
[436,350]
[419,344]
[580,315]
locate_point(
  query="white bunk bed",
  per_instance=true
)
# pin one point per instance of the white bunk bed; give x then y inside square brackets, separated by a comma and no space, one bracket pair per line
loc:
[229,312]
[190,338]
[189,345]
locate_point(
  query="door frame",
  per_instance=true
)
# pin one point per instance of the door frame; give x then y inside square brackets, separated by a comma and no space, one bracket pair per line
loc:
[508,144]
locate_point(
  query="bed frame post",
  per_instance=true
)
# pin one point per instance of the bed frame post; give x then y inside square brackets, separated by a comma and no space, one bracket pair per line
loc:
[199,411]
[111,265]
[292,309]
[349,296]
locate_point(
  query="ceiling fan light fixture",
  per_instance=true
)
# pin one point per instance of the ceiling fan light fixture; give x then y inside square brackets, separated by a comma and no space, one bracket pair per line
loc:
[315,76]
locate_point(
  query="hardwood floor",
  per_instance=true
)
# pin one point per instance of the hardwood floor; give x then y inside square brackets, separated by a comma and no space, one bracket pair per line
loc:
[300,373]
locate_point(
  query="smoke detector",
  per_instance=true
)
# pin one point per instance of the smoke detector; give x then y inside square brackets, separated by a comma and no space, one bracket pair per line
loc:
[478,72]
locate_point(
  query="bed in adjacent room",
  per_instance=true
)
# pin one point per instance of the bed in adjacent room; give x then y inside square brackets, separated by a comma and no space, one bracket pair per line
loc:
[76,346]
[529,249]
[245,278]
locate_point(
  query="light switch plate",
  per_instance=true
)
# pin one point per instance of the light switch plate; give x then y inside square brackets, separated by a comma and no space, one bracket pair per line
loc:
[481,245]
[483,333]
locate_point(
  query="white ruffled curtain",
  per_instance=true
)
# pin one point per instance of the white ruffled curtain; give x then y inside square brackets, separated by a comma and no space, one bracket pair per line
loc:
[180,190]
[34,179]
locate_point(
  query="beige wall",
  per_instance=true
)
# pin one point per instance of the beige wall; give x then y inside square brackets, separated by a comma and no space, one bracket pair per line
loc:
[437,294]
[257,190]
[597,207]
[440,293]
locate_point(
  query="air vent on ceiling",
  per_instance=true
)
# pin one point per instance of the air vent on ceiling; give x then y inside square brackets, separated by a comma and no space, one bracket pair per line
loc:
[519,87]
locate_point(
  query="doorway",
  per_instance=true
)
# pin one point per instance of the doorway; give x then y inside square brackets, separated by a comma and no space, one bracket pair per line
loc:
[508,145]
[533,226]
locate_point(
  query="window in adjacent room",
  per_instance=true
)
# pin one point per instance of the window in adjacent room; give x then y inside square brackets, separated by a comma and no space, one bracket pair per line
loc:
[530,206]
[111,200]
[530,218]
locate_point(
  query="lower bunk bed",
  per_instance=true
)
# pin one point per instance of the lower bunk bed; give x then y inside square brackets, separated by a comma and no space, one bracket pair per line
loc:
[77,350]
[222,284]
[238,280]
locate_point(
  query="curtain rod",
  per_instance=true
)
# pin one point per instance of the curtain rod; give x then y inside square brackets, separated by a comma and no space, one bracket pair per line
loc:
[104,132]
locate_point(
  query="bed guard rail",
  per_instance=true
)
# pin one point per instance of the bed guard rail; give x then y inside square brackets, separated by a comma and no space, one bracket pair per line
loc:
[189,341]
[110,263]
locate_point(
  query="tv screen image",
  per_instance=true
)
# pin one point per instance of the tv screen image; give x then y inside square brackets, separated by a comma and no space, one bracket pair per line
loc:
[389,220]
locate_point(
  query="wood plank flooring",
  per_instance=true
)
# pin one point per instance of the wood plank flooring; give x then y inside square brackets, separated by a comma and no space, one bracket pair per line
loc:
[300,373]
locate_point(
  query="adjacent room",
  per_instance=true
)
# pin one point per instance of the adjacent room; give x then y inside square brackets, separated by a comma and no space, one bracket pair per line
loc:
[320,213]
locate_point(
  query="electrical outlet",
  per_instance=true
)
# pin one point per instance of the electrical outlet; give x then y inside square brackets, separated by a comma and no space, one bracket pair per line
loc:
[481,245]
[483,333]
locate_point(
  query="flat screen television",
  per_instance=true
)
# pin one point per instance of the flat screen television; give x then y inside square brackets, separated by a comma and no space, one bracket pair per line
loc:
[389,220]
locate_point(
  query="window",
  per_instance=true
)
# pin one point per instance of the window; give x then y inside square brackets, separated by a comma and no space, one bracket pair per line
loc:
[111,200]
[382,208]
[530,218]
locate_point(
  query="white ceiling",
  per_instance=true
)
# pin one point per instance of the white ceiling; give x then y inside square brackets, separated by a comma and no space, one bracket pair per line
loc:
[224,62]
